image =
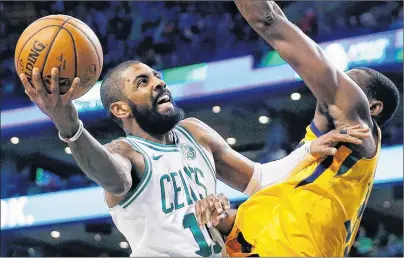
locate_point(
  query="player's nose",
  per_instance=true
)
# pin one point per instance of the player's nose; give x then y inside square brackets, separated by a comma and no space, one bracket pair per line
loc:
[159,85]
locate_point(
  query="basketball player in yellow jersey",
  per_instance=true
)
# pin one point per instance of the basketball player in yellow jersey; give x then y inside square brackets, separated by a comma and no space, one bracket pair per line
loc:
[317,210]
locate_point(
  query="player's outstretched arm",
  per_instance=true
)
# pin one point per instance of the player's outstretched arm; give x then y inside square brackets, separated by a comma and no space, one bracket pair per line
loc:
[265,175]
[334,90]
[112,172]
[247,176]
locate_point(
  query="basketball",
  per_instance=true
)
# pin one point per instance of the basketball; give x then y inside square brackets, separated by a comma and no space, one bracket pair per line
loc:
[60,41]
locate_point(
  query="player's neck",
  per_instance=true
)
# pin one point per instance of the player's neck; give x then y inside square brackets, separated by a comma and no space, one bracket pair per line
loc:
[135,130]
[162,139]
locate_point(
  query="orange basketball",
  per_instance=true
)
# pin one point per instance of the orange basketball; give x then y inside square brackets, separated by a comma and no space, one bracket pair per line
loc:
[64,42]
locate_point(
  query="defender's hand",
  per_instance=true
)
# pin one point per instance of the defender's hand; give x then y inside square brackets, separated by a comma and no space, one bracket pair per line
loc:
[212,210]
[57,107]
[324,145]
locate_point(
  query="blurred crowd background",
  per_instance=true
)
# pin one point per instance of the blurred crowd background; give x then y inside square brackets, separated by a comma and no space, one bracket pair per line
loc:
[382,243]
[172,34]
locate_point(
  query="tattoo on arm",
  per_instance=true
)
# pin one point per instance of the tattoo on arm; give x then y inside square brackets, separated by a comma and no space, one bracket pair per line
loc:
[253,10]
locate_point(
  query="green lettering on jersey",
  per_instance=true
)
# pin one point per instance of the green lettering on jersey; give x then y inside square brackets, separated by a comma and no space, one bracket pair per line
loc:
[189,171]
[198,171]
[167,204]
[189,201]
[204,249]
[163,195]
[176,191]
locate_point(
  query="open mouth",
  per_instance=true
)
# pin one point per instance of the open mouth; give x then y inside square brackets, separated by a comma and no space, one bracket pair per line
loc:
[163,99]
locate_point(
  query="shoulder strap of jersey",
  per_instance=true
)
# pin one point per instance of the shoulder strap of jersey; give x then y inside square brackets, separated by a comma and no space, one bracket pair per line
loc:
[153,145]
[199,148]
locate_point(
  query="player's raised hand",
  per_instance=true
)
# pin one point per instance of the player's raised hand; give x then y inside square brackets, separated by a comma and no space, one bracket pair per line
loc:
[57,107]
[324,145]
[212,210]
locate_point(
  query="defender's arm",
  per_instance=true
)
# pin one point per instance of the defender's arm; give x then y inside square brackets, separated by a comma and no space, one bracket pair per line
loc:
[333,88]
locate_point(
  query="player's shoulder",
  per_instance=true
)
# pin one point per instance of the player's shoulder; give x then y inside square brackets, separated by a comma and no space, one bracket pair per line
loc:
[196,126]
[119,147]
[122,151]
[203,133]
[191,121]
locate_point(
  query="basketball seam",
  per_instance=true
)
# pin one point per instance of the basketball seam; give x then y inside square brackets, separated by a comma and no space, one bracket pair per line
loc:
[50,46]
[26,42]
[88,38]
[75,52]
[91,42]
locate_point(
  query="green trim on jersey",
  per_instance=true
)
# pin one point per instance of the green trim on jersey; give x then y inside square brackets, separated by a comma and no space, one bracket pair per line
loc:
[154,145]
[145,178]
[189,136]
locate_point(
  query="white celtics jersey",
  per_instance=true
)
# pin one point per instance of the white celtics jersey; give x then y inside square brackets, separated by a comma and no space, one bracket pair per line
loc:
[157,217]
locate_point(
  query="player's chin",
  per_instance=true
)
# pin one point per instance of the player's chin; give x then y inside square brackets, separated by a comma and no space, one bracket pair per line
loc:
[165,108]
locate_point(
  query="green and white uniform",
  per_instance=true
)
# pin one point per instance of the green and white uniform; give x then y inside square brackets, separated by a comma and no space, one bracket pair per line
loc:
[157,216]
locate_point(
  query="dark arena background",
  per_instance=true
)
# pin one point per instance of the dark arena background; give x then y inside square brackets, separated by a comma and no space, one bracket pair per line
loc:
[220,71]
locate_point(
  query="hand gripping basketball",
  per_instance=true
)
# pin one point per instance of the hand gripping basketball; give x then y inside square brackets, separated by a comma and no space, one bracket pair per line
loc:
[57,107]
[60,41]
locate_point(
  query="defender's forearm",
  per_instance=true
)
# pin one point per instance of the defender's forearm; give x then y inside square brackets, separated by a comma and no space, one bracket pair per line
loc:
[99,164]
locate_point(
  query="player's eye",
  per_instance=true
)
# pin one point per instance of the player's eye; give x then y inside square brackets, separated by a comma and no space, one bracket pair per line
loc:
[141,82]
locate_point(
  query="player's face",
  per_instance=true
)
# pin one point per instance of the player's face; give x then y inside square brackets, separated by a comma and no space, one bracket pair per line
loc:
[150,100]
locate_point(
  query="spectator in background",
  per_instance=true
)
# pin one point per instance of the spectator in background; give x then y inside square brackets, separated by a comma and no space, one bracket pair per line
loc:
[363,244]
[394,246]
[273,145]
[309,23]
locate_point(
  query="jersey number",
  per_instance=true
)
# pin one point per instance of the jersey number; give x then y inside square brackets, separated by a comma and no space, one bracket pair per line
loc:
[204,249]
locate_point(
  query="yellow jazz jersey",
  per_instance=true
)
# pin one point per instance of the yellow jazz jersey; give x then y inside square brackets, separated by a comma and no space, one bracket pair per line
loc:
[315,212]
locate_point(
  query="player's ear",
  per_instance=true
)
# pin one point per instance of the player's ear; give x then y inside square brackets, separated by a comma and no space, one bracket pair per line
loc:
[120,109]
[376,107]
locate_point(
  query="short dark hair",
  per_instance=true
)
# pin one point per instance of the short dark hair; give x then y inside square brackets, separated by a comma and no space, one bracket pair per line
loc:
[378,87]
[112,88]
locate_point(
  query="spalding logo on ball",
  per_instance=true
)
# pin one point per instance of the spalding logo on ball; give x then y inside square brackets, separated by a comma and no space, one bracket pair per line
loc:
[64,42]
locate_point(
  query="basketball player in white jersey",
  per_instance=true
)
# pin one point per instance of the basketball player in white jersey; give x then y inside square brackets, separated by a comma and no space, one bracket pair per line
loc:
[153,178]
